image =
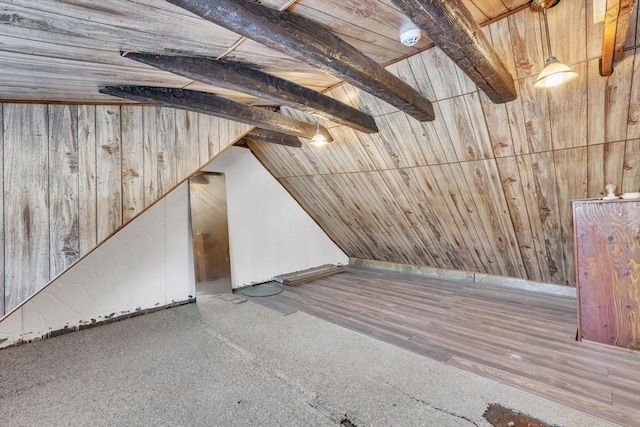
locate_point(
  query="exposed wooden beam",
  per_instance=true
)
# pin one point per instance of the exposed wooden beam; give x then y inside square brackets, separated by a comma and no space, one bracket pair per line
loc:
[616,25]
[242,78]
[310,42]
[207,103]
[452,28]
[274,137]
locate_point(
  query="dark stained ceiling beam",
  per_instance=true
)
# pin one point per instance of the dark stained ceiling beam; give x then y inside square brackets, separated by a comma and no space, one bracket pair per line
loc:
[311,43]
[207,103]
[242,78]
[616,25]
[451,27]
[274,137]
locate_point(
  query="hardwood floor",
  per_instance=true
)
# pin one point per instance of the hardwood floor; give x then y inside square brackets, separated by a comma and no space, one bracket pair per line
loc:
[521,338]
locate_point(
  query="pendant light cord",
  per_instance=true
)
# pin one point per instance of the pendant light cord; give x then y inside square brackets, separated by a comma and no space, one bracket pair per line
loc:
[546,27]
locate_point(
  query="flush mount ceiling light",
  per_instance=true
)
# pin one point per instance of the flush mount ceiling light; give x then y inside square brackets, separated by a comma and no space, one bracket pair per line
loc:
[318,139]
[554,73]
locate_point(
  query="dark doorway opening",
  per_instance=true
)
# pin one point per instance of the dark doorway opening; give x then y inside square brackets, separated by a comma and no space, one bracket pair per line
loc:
[209,225]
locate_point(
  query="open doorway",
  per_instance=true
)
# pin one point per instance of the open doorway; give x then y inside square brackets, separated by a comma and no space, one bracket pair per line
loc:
[208,199]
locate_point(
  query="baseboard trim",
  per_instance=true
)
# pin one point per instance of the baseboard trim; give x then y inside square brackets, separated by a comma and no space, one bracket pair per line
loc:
[511,282]
[106,321]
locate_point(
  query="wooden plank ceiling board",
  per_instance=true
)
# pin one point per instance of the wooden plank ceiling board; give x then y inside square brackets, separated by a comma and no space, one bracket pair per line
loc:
[616,26]
[450,25]
[66,39]
[487,188]
[240,77]
[206,103]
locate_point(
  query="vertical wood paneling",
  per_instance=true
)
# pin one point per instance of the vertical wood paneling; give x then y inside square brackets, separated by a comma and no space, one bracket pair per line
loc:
[537,122]
[408,188]
[63,184]
[187,147]
[87,170]
[166,149]
[71,175]
[459,117]
[458,218]
[568,111]
[631,173]
[206,146]
[594,33]
[132,162]
[514,194]
[499,130]
[568,39]
[539,181]
[429,141]
[422,82]
[500,38]
[109,179]
[605,165]
[524,30]
[508,217]
[571,174]
[633,130]
[26,196]
[442,74]
[2,293]
[617,92]
[151,151]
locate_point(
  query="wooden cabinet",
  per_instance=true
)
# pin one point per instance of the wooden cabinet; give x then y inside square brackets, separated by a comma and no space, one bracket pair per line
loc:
[607,243]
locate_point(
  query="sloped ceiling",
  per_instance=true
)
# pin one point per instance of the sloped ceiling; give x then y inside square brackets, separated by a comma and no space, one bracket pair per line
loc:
[64,50]
[484,187]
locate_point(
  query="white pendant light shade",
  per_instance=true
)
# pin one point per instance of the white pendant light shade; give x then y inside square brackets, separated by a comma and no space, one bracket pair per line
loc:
[554,73]
[318,139]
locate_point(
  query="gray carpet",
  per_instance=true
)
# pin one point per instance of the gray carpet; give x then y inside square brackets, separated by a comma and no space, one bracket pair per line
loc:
[223,364]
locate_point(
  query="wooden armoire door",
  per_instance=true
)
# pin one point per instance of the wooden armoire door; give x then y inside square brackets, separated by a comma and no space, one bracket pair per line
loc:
[607,243]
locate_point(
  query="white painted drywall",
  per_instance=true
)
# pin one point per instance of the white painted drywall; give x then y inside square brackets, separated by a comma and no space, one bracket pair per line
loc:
[269,233]
[148,263]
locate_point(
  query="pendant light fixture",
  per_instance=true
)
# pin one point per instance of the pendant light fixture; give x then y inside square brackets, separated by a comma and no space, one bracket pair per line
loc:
[555,73]
[318,139]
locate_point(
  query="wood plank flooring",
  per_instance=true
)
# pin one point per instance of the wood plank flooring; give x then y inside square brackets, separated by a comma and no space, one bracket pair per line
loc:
[520,338]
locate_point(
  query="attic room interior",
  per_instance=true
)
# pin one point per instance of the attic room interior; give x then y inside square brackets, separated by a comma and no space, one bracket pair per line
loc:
[428,212]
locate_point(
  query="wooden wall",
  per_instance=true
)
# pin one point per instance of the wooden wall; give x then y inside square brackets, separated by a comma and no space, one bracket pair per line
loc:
[484,187]
[72,175]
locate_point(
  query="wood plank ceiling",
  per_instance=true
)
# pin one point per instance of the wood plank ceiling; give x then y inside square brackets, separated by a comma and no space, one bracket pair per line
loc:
[485,187]
[64,50]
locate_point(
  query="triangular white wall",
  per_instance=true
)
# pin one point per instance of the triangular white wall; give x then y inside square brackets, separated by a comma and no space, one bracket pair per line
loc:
[269,233]
[147,264]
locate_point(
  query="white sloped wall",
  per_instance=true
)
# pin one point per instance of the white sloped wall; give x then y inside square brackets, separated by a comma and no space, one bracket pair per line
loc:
[147,264]
[269,233]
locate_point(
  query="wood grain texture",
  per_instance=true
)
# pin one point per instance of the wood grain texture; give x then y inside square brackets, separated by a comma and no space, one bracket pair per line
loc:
[452,27]
[63,181]
[607,236]
[571,180]
[132,162]
[108,174]
[87,171]
[309,42]
[631,170]
[25,201]
[2,279]
[71,175]
[242,78]
[520,338]
[512,215]
[207,103]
